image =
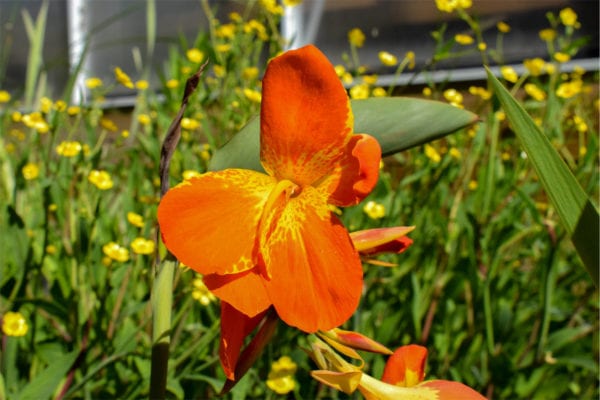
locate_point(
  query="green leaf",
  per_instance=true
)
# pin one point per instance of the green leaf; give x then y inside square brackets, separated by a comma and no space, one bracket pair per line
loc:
[398,123]
[578,215]
[45,383]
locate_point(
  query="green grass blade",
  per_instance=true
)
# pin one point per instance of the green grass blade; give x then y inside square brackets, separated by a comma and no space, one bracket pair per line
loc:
[398,123]
[35,34]
[579,217]
[44,384]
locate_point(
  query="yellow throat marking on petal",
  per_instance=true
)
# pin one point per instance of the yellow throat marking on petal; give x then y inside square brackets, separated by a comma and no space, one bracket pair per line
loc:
[283,186]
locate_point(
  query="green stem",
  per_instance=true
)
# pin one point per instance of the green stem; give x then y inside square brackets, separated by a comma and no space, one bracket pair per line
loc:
[162,300]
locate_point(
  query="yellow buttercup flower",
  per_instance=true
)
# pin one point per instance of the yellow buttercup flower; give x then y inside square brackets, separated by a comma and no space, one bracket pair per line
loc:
[108,124]
[226,31]
[535,66]
[451,5]
[253,95]
[374,210]
[189,174]
[547,35]
[123,78]
[189,123]
[378,92]
[561,57]
[68,148]
[142,84]
[4,96]
[36,121]
[116,252]
[359,91]
[14,324]
[93,83]
[463,39]
[566,90]
[503,27]
[30,171]
[172,83]
[250,73]
[432,153]
[195,55]
[481,92]
[101,179]
[142,246]
[144,119]
[281,377]
[568,17]
[509,74]
[454,97]
[135,219]
[201,293]
[388,59]
[356,37]
[535,92]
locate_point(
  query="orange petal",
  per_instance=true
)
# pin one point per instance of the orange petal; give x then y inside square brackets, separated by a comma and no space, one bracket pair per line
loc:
[406,367]
[209,223]
[382,240]
[235,326]
[356,173]
[316,274]
[305,117]
[448,390]
[244,291]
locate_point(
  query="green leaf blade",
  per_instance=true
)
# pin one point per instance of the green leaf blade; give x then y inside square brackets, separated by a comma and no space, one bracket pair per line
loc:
[398,123]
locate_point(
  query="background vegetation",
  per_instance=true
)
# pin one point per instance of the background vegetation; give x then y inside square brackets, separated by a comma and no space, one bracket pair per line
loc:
[492,285]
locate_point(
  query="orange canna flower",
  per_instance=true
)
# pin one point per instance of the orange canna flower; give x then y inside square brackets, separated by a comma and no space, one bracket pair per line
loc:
[263,240]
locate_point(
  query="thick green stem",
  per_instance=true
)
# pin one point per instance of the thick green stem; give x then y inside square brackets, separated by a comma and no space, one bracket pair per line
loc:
[162,300]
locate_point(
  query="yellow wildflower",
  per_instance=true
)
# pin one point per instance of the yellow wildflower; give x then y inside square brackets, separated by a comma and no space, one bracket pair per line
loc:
[172,83]
[568,17]
[561,57]
[432,153]
[73,110]
[194,55]
[473,185]
[566,90]
[189,174]
[272,7]
[30,171]
[374,210]
[410,57]
[16,116]
[125,133]
[123,78]
[547,34]
[93,83]
[101,179]
[427,92]
[500,115]
[219,70]
[253,95]
[108,124]
[46,105]
[535,92]
[201,293]
[142,84]
[370,79]
[60,105]
[51,249]
[142,246]
[535,66]
[281,377]
[481,92]
[116,252]
[580,124]
[144,119]
[455,153]
[509,74]
[291,3]
[481,46]
[503,27]
[226,31]
[36,121]
[463,39]
[4,96]
[250,73]
[14,324]
[379,92]
[223,48]
[359,91]
[388,59]
[254,26]
[454,97]
[451,5]
[135,219]
[356,37]
[189,123]
[340,70]
[235,16]
[68,148]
